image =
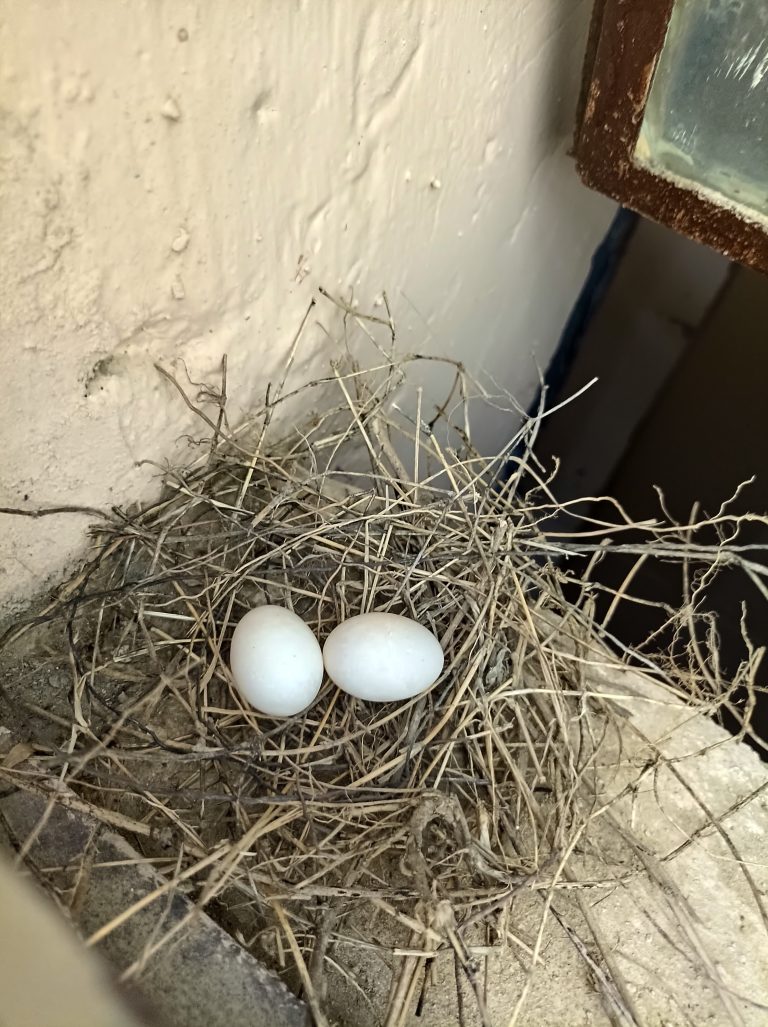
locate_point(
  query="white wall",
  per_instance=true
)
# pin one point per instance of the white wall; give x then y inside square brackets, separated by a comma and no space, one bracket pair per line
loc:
[178,177]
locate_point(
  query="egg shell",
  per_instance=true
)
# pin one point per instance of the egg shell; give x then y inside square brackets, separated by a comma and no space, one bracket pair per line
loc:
[276,661]
[382,657]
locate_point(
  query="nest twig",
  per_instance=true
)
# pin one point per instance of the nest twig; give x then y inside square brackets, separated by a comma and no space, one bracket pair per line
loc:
[420,821]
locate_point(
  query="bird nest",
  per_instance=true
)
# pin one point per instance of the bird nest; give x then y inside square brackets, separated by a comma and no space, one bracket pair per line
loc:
[407,828]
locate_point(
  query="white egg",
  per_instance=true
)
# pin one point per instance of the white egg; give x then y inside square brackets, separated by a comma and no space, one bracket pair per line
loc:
[276,661]
[382,657]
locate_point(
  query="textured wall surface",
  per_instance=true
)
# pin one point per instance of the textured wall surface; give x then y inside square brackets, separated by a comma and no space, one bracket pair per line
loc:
[177,178]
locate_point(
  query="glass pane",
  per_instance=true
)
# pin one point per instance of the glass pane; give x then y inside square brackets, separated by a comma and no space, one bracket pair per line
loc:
[706,121]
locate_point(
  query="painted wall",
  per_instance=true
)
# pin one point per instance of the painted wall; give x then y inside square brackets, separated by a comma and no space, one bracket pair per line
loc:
[177,177]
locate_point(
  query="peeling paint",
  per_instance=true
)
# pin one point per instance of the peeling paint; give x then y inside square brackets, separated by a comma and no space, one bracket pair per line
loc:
[181,241]
[171,110]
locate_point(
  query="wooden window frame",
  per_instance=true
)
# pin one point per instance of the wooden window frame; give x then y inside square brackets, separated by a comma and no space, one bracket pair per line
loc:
[625,40]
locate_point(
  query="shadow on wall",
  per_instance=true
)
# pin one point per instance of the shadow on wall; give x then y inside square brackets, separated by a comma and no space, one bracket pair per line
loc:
[565,67]
[706,435]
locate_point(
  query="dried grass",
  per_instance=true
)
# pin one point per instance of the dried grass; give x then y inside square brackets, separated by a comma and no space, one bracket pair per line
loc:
[431,815]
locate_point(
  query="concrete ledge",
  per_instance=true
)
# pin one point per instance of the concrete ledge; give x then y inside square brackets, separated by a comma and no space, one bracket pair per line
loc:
[201,977]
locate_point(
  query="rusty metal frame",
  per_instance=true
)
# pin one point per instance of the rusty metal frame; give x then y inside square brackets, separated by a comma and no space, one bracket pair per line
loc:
[625,40]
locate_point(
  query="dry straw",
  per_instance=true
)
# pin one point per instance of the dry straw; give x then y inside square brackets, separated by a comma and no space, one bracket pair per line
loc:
[425,818]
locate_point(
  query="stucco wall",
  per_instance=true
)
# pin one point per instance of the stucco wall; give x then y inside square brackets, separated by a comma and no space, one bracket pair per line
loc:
[176,178]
